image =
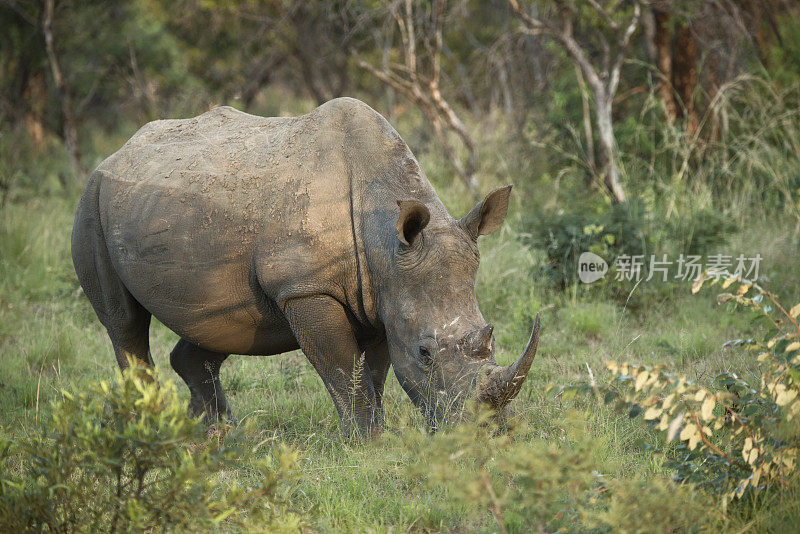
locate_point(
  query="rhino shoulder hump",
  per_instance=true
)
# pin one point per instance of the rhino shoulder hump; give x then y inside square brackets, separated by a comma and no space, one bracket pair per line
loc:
[346,103]
[361,122]
[225,111]
[348,111]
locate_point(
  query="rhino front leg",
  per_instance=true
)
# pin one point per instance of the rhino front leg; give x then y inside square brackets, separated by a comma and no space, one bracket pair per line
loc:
[325,335]
[377,357]
[199,368]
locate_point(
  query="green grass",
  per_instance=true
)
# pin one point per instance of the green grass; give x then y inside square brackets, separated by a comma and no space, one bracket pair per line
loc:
[407,480]
[50,339]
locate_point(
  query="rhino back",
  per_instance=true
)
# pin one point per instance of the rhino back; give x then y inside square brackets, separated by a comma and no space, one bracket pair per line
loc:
[211,222]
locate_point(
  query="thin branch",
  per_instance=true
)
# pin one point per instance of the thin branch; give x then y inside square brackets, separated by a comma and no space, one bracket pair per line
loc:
[423,88]
[27,17]
[495,507]
[437,45]
[564,36]
[711,446]
[587,122]
[623,49]
[389,78]
[67,111]
[411,48]
[604,14]
[529,21]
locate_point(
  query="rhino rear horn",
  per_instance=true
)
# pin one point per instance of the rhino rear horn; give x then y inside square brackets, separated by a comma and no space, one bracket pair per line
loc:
[479,343]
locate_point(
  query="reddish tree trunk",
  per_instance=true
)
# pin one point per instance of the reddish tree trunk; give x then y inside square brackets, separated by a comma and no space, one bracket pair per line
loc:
[684,74]
[36,97]
[662,40]
[70,127]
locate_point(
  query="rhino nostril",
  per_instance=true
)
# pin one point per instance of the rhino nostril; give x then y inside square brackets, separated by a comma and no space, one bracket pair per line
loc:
[425,355]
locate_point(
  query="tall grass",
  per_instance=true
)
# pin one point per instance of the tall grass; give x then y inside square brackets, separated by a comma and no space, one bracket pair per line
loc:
[741,160]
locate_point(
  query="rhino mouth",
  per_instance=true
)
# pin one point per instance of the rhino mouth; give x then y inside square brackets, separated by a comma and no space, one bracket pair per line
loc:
[492,384]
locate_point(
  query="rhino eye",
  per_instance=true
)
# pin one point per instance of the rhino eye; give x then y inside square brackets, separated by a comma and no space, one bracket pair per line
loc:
[425,355]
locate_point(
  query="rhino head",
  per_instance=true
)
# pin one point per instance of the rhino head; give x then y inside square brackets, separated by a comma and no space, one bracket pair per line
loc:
[441,348]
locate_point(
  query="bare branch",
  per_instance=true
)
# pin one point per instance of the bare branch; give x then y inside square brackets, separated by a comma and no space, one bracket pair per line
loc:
[565,37]
[531,23]
[25,15]
[587,122]
[623,49]
[601,77]
[604,14]
[411,49]
[419,82]
[437,45]
[574,49]
[388,77]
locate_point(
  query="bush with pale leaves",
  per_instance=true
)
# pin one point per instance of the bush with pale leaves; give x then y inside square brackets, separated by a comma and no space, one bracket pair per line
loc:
[734,437]
[124,456]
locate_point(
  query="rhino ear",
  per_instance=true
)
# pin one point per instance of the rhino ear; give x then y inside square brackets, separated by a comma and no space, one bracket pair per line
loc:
[414,216]
[488,214]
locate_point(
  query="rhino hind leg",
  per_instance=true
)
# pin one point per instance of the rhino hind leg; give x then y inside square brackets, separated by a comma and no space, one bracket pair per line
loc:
[199,368]
[130,333]
[324,333]
[127,322]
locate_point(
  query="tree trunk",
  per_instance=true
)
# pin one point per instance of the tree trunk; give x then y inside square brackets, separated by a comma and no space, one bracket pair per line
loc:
[684,74]
[36,97]
[649,31]
[70,127]
[587,123]
[664,63]
[608,151]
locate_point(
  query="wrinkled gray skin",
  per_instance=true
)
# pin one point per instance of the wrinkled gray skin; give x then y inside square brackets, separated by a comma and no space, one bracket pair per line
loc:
[253,235]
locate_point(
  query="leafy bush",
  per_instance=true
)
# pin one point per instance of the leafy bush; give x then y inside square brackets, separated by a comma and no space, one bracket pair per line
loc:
[698,232]
[554,484]
[623,229]
[629,229]
[735,438]
[124,456]
[654,504]
[525,486]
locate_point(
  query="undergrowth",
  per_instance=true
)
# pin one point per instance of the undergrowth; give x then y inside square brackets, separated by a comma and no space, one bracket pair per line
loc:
[124,456]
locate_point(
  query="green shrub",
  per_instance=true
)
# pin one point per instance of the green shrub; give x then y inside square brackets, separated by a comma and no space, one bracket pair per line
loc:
[560,483]
[526,486]
[734,438]
[698,232]
[125,457]
[622,229]
[630,229]
[652,505]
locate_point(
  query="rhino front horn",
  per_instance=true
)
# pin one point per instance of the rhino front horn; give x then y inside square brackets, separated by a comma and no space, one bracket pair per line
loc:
[502,384]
